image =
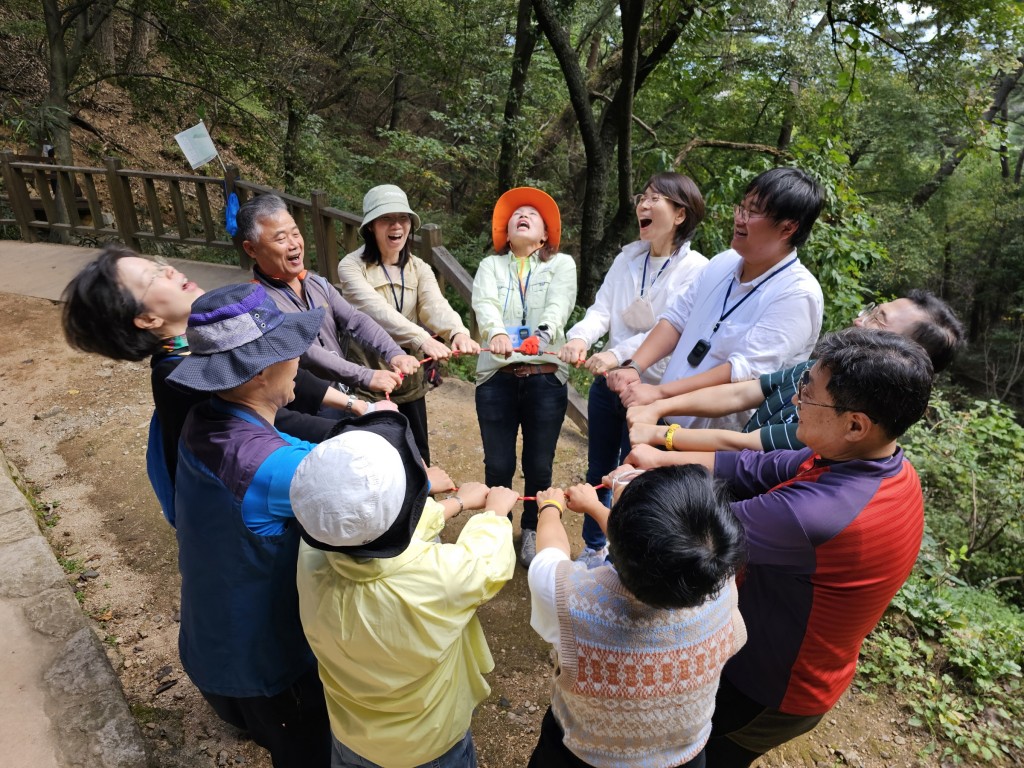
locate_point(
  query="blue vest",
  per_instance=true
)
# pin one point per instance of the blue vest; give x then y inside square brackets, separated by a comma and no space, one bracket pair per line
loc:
[240,634]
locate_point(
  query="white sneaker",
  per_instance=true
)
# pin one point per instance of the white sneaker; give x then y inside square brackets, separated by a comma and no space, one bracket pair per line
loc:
[593,557]
[528,547]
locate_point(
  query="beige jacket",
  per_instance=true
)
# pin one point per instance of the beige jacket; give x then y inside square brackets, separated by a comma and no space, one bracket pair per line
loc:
[424,309]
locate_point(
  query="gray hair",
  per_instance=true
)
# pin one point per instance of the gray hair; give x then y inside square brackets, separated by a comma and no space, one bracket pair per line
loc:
[250,215]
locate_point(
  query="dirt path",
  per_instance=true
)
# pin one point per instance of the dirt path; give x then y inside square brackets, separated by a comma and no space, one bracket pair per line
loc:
[76,426]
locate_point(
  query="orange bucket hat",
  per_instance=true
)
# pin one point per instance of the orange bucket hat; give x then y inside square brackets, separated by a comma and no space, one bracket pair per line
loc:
[520,196]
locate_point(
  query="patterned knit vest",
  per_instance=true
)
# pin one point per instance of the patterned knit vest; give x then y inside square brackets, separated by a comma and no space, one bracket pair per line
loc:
[636,685]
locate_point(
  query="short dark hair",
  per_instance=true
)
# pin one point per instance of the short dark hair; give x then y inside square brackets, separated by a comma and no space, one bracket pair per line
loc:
[673,537]
[683,191]
[371,251]
[884,375]
[942,335]
[249,215]
[99,312]
[788,194]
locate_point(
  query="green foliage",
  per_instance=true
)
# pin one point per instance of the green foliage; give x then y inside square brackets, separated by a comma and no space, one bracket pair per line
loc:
[954,653]
[971,464]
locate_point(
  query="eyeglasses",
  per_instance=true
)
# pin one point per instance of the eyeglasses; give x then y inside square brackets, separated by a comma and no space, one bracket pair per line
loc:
[744,214]
[161,269]
[805,379]
[644,199]
[872,313]
[623,478]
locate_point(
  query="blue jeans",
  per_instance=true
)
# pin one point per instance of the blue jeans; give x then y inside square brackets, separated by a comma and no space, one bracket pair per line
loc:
[462,755]
[537,403]
[607,445]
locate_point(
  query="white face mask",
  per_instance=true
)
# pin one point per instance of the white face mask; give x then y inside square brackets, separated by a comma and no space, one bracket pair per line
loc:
[639,315]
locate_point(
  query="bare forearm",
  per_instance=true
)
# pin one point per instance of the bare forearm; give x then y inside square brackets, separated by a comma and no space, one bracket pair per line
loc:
[720,374]
[550,531]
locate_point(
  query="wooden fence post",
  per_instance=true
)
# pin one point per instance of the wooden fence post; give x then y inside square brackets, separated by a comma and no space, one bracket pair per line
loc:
[17,196]
[124,207]
[324,237]
[430,237]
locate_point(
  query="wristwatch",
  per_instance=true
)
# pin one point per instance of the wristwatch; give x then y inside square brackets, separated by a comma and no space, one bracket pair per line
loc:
[631,363]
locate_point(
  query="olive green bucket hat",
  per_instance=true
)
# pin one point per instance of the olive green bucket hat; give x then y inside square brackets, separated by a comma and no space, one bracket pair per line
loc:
[387,198]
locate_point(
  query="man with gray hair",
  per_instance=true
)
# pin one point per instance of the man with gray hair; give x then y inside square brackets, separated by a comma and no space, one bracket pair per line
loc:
[270,236]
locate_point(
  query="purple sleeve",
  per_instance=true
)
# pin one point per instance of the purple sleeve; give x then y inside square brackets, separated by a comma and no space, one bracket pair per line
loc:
[362,327]
[772,522]
[750,473]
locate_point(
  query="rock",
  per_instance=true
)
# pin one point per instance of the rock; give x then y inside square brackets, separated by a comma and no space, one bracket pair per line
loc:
[49,414]
[162,672]
[222,758]
[504,703]
[89,573]
[164,686]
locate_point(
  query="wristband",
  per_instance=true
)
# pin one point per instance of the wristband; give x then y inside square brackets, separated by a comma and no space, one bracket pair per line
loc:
[668,436]
[351,402]
[552,503]
[462,505]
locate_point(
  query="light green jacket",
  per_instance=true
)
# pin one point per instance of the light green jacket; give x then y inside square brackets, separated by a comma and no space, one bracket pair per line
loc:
[550,298]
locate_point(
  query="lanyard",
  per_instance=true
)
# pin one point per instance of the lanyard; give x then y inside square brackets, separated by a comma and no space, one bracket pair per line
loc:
[522,291]
[643,280]
[401,271]
[740,302]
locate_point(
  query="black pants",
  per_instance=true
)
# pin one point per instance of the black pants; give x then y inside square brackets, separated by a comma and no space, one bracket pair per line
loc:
[551,752]
[293,725]
[739,719]
[416,412]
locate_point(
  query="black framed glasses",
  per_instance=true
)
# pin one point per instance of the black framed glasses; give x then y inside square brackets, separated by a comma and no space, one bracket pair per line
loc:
[805,379]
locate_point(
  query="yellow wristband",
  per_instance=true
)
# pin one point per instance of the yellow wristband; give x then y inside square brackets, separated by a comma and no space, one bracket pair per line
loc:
[552,503]
[668,436]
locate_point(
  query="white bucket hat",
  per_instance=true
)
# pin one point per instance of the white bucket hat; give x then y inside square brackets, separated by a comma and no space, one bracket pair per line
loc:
[361,492]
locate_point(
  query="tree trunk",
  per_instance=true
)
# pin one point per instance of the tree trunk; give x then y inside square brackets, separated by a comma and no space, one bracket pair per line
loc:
[296,117]
[141,40]
[1004,87]
[106,42]
[526,41]
[397,99]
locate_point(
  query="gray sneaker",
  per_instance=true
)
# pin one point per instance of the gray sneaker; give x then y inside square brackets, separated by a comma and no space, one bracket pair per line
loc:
[528,547]
[593,557]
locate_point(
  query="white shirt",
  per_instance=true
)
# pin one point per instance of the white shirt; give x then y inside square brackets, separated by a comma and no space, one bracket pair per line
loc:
[776,327]
[621,287]
[541,576]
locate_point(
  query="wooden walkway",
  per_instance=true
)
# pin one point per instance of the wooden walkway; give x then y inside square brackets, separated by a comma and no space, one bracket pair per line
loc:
[43,269]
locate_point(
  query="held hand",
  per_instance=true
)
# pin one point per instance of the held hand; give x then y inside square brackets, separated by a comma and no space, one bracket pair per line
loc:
[639,393]
[382,405]
[647,456]
[473,495]
[601,363]
[620,378]
[385,381]
[647,434]
[439,481]
[583,497]
[435,349]
[529,346]
[642,414]
[573,352]
[405,364]
[501,345]
[464,345]
[620,477]
[500,500]
[550,494]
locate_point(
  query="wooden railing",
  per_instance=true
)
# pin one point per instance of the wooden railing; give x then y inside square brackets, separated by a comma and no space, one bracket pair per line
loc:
[138,207]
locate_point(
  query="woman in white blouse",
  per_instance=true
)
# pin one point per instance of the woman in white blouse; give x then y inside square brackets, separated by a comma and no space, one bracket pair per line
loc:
[642,280]
[397,289]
